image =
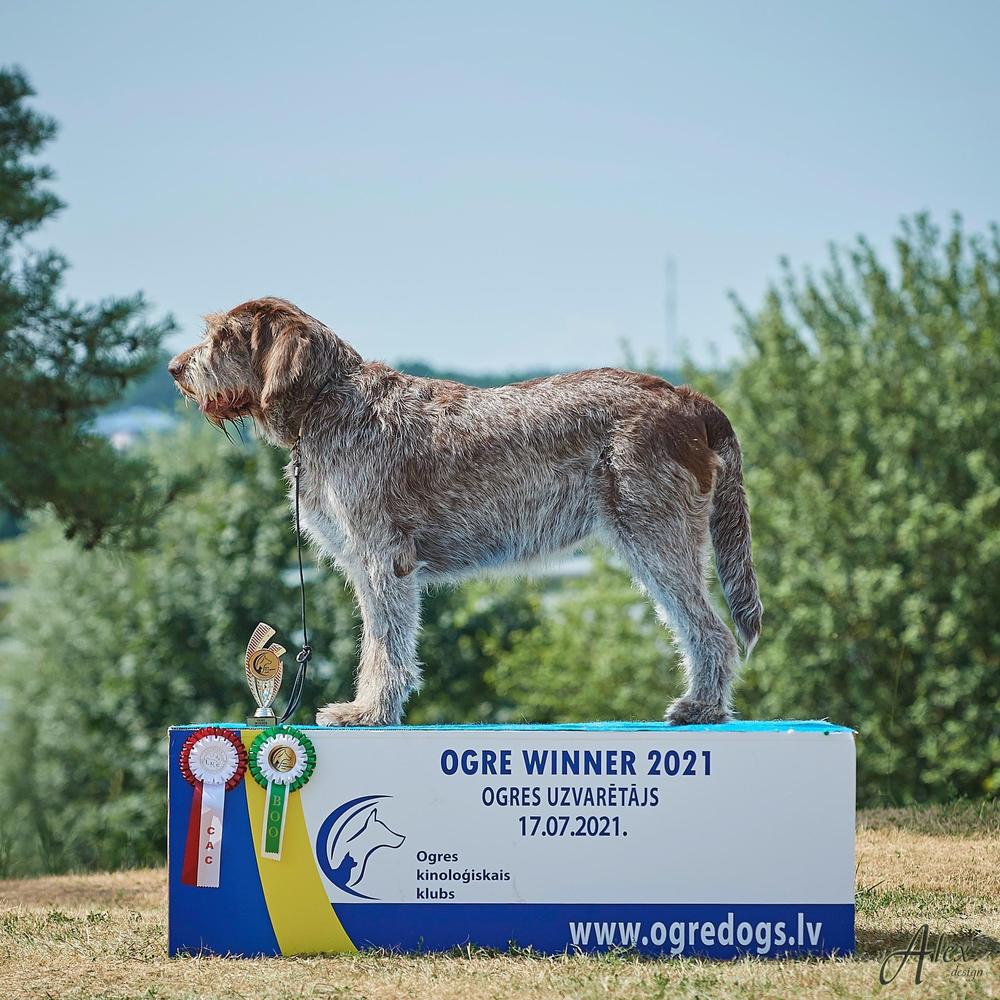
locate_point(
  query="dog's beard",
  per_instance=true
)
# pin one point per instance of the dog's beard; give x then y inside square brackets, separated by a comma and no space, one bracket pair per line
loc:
[229,407]
[233,404]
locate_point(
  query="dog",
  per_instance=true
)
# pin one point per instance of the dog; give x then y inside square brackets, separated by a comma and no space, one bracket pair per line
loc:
[408,481]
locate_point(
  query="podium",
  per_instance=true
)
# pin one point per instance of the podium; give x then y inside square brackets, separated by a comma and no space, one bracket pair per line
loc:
[719,841]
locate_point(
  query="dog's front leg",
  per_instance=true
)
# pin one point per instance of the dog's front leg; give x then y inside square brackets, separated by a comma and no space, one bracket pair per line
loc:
[388,669]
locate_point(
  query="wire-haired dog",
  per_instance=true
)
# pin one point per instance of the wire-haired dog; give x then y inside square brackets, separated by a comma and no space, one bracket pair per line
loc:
[410,480]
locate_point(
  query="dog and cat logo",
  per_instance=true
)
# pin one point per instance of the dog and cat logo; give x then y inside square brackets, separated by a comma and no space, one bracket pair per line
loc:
[349,839]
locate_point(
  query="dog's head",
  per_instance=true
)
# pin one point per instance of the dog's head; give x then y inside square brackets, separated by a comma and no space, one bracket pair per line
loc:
[264,359]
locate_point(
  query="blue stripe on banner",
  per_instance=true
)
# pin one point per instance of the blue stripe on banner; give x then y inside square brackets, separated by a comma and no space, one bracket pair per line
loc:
[230,920]
[707,929]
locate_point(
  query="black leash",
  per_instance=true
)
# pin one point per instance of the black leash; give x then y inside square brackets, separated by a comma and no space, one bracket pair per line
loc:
[304,655]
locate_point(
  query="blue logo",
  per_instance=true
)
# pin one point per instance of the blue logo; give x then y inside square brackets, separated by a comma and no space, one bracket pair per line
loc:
[349,837]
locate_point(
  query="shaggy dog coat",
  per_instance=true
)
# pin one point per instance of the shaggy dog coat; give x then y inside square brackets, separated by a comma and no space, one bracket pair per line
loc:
[407,481]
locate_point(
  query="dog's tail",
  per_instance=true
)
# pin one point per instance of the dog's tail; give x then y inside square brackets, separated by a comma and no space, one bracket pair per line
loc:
[730,527]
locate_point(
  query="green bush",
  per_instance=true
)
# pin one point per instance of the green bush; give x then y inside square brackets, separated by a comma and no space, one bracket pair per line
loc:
[595,652]
[869,416]
[108,649]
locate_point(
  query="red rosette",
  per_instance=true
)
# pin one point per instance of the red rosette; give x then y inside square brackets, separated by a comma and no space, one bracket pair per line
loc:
[227,734]
[203,847]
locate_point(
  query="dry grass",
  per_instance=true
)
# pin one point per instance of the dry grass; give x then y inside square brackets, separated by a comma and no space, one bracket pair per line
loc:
[105,936]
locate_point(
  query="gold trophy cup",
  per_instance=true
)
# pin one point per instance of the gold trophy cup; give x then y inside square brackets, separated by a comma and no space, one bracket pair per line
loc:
[264,670]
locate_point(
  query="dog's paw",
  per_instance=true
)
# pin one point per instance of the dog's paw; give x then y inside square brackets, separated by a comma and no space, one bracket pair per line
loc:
[352,713]
[688,712]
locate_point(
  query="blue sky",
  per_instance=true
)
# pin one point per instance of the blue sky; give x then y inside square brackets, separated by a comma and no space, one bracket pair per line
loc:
[498,186]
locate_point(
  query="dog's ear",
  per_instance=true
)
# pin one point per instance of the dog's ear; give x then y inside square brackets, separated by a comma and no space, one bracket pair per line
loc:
[289,349]
[283,340]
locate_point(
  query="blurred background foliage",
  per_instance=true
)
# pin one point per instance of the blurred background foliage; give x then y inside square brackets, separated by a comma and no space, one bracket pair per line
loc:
[867,405]
[61,362]
[869,411]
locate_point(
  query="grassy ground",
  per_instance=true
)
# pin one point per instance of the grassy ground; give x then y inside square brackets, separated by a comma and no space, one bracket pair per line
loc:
[105,936]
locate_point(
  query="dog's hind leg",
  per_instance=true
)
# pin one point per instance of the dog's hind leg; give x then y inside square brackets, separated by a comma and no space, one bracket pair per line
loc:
[662,533]
[387,670]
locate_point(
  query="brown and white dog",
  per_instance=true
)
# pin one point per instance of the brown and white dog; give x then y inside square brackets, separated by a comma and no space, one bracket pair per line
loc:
[408,481]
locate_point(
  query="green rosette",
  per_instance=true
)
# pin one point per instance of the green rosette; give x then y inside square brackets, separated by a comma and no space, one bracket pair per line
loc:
[281,759]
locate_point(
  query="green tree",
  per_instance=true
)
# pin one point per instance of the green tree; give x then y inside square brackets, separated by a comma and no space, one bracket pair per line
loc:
[60,362]
[870,421]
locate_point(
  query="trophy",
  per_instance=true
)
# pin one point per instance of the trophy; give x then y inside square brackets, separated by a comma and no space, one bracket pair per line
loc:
[263,669]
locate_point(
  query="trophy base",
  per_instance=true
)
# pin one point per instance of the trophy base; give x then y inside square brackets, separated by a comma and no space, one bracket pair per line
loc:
[262,721]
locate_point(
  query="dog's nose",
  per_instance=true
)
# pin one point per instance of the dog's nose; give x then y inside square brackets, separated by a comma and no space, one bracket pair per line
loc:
[176,366]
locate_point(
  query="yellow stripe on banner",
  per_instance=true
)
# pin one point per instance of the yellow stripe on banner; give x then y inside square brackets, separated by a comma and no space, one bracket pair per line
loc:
[303,919]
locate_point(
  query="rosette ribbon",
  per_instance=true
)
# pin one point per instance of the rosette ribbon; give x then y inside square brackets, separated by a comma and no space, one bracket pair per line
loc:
[282,759]
[214,761]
